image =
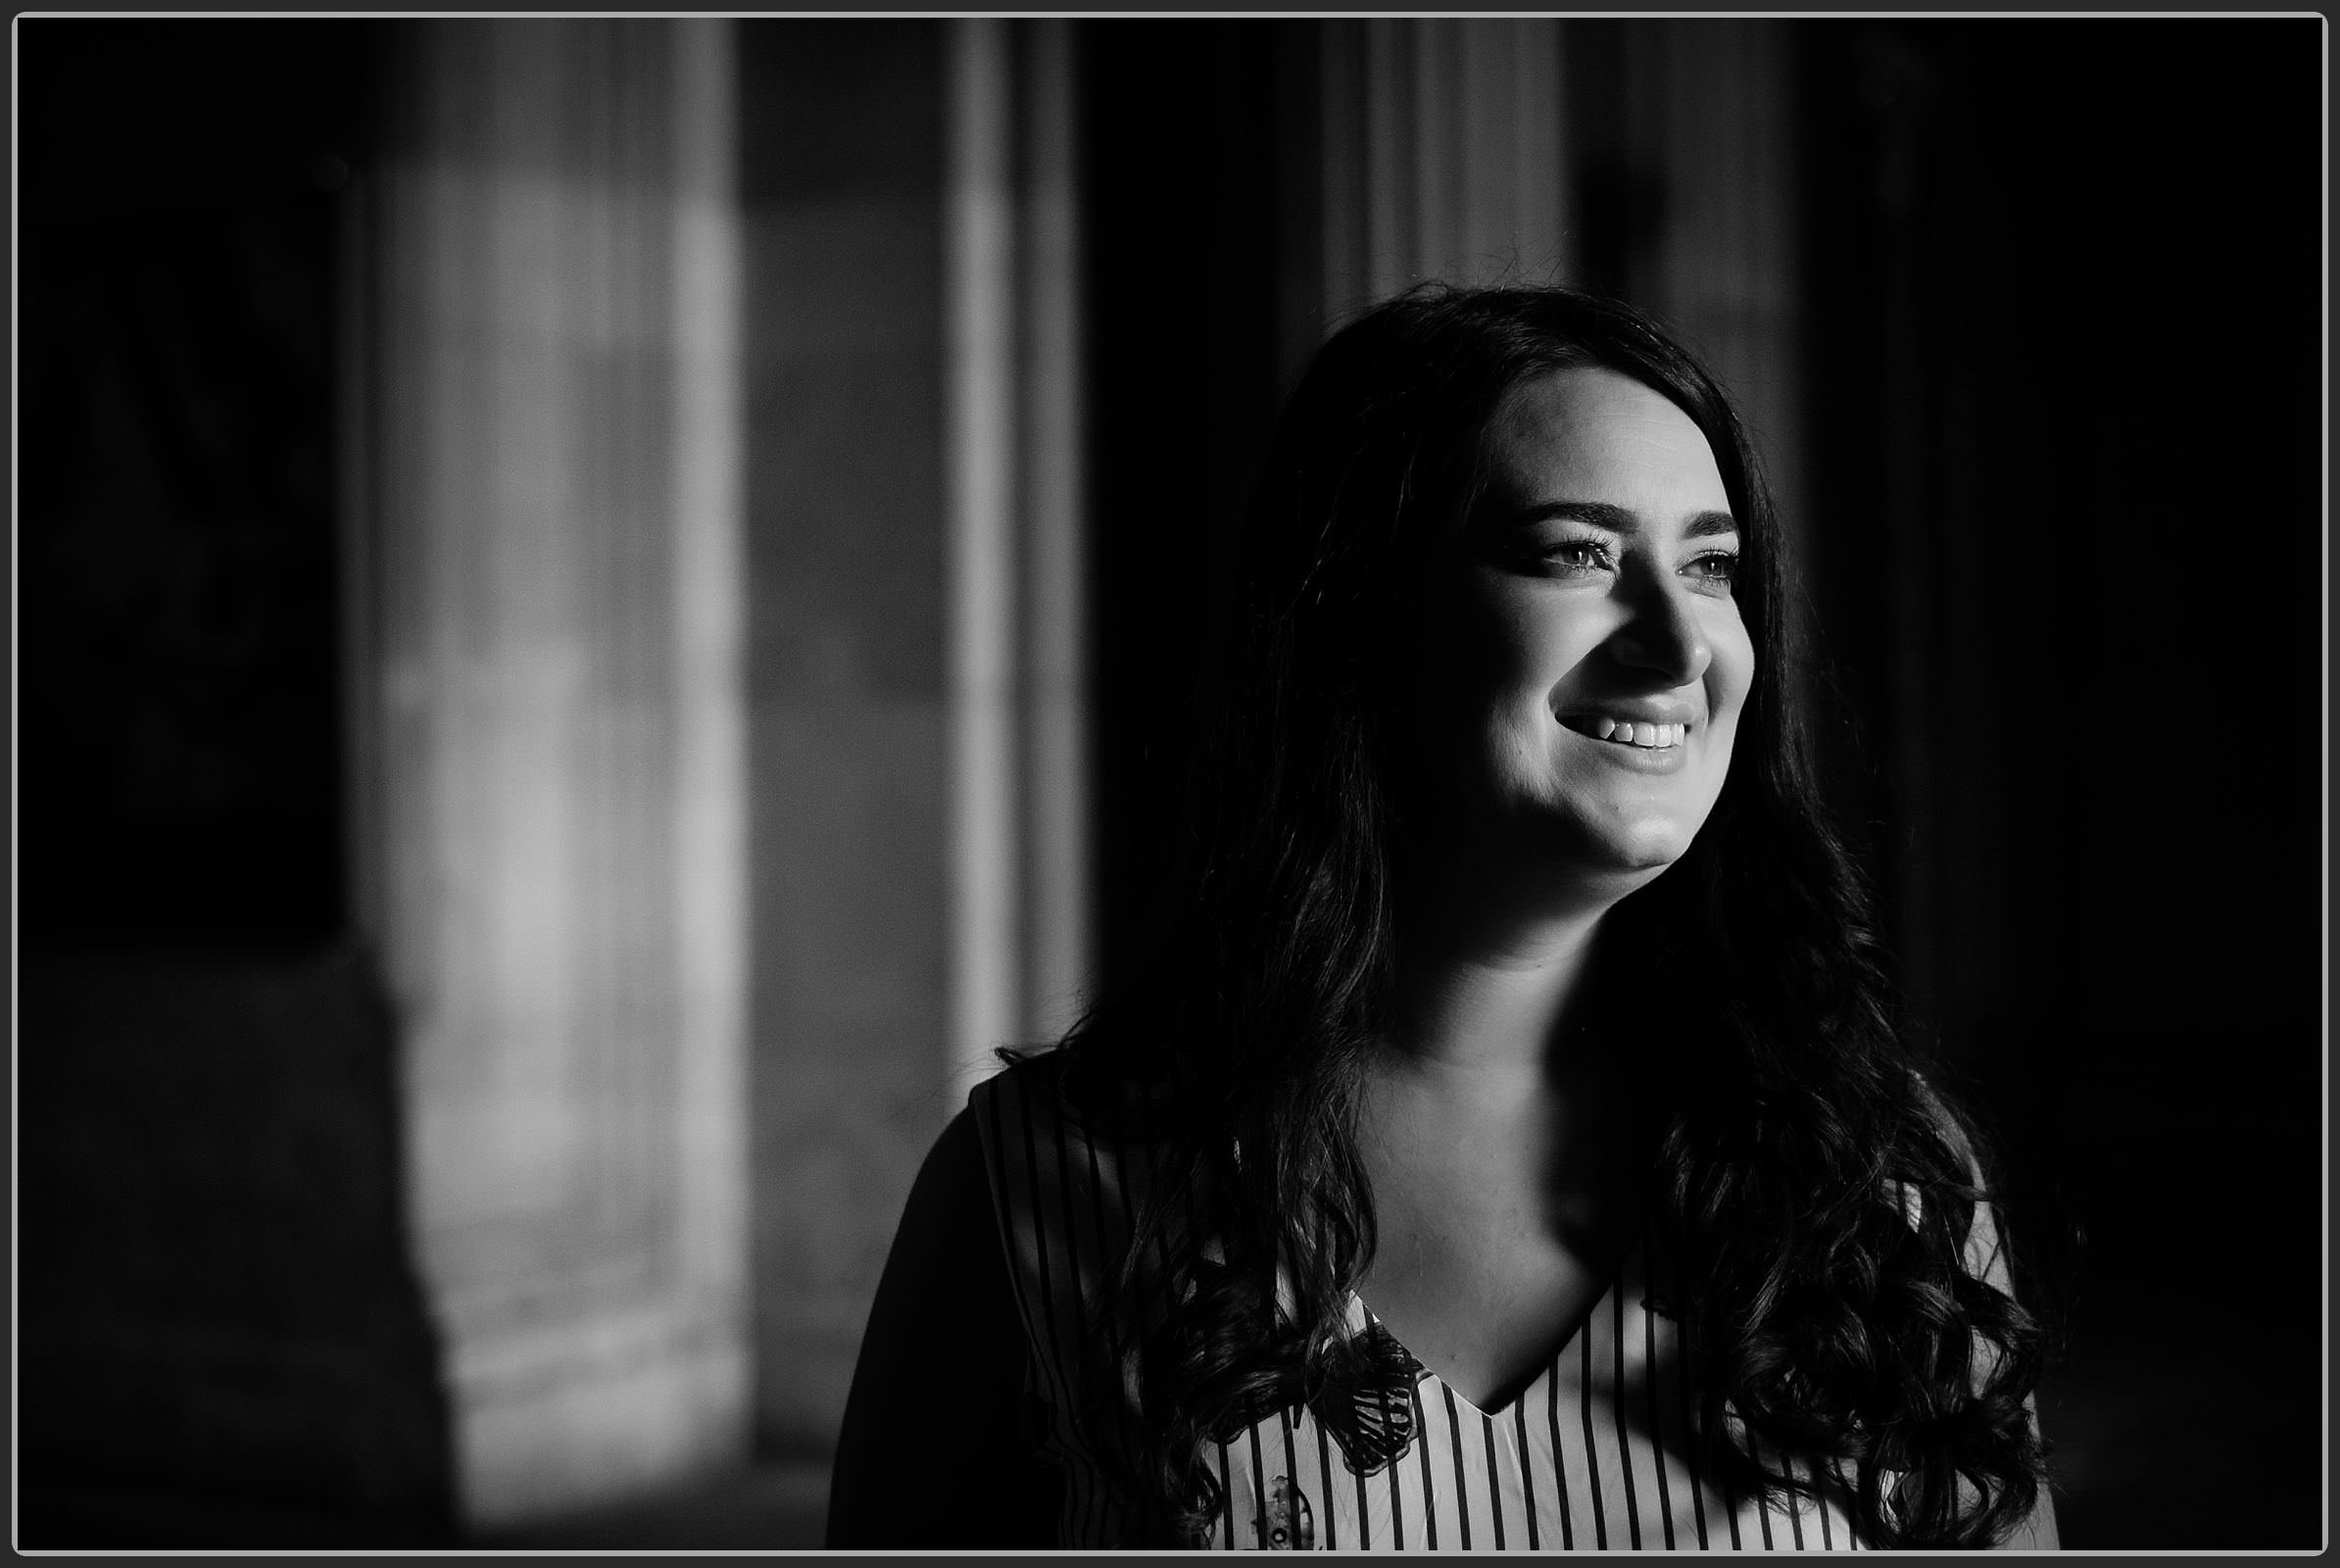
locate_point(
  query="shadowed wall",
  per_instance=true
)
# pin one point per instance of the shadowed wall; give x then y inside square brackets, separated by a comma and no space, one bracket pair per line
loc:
[223,1339]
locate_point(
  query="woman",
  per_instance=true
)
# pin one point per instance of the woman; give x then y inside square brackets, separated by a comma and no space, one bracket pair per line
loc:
[1515,1147]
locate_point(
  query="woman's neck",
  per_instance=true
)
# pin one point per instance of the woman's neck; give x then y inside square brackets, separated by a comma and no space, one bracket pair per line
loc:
[1496,1008]
[1496,949]
[1504,1104]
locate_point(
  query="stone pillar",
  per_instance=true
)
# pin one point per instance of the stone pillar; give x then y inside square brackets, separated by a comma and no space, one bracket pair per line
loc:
[1688,129]
[1021,940]
[850,746]
[917,743]
[556,539]
[1443,154]
[1489,149]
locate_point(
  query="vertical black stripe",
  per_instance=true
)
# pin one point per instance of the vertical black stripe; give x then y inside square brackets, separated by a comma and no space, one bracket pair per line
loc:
[1568,1531]
[1156,1202]
[995,1157]
[1852,1509]
[1040,1231]
[1364,1505]
[1462,1487]
[1657,1423]
[1827,1541]
[1226,1503]
[1397,1500]
[1046,1371]
[1292,1469]
[1195,1241]
[1087,1508]
[1116,1345]
[1430,1489]
[1519,1416]
[1624,1429]
[1323,1485]
[1691,1441]
[1390,1480]
[1495,1474]
[1730,1502]
[1259,1491]
[1762,1501]
[1600,1514]
[1795,1510]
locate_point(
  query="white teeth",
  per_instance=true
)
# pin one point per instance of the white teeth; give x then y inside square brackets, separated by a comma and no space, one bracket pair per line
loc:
[1653,737]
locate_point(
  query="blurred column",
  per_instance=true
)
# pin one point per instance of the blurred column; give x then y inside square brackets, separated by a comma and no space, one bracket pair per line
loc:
[842,149]
[1021,903]
[555,568]
[1443,154]
[1655,157]
[1686,130]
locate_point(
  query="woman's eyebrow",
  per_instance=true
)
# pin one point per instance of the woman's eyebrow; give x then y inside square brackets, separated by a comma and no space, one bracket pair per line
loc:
[1617,520]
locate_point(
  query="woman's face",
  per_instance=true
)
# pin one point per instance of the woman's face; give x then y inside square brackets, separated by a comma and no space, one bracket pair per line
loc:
[1585,663]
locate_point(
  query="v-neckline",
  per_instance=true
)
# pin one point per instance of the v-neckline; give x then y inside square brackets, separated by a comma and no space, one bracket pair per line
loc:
[1632,1264]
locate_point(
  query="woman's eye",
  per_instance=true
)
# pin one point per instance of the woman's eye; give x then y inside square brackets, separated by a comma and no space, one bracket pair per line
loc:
[1717,570]
[1571,557]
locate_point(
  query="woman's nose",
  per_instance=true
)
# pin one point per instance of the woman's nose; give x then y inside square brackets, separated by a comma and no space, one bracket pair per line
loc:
[1662,635]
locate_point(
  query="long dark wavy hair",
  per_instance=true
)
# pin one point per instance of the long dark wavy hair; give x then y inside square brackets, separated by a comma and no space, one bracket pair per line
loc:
[1824,1315]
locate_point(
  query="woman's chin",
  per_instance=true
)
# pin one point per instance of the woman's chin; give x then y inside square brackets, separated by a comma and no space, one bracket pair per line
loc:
[1546,847]
[1637,850]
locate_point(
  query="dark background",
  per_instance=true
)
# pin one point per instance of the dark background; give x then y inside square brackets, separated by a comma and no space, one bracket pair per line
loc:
[2065,440]
[2064,436]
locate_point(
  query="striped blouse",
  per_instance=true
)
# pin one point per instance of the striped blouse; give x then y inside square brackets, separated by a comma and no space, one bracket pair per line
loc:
[1594,1456]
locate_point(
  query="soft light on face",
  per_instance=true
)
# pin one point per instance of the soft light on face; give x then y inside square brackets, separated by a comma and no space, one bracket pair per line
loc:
[1585,664]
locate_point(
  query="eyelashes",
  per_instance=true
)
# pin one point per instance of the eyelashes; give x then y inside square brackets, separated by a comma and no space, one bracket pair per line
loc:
[1710,570]
[1717,566]
[1575,558]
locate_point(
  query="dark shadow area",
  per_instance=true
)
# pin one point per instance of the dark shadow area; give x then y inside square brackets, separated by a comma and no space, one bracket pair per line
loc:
[221,1343]
[179,207]
[2067,440]
[1185,198]
[777,1507]
[2061,283]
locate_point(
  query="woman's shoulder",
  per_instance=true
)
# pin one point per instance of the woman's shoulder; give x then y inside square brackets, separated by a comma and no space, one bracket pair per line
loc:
[1081,1097]
[1068,1180]
[1024,1074]
[1084,1144]
[1023,1102]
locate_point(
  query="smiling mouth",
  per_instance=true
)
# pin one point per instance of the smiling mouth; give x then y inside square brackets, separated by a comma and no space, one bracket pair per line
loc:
[1620,732]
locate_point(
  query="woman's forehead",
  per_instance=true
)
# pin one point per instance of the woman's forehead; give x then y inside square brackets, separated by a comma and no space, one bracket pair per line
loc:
[1594,430]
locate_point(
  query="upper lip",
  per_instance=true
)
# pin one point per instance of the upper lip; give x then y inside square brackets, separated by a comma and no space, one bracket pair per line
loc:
[1634,710]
